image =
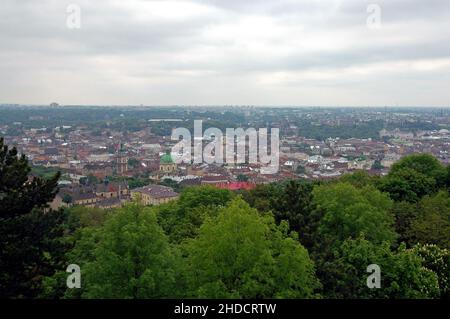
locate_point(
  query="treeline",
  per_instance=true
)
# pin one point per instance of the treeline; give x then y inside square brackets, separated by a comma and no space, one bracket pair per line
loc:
[295,239]
[123,119]
[359,130]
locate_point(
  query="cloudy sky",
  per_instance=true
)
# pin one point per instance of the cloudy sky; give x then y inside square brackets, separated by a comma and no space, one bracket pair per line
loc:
[222,52]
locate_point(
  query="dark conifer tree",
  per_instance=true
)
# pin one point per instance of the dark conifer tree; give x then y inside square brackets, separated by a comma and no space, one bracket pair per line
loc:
[30,234]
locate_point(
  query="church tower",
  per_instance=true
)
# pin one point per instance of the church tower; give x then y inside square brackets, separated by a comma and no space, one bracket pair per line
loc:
[121,160]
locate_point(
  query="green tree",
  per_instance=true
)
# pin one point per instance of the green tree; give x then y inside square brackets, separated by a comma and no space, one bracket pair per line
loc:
[170,183]
[241,254]
[92,180]
[300,170]
[262,197]
[432,224]
[29,236]
[350,211]
[133,163]
[407,184]
[404,213]
[82,242]
[87,216]
[413,177]
[358,179]
[181,219]
[294,203]
[377,165]
[438,260]
[402,273]
[425,164]
[242,178]
[67,199]
[18,195]
[132,258]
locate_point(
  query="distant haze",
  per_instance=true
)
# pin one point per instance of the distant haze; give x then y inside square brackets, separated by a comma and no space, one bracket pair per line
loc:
[217,52]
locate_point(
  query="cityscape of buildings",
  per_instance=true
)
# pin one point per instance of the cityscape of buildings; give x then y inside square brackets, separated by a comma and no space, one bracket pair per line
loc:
[105,163]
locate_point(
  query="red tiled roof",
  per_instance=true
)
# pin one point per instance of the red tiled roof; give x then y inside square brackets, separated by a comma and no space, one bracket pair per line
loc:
[236,185]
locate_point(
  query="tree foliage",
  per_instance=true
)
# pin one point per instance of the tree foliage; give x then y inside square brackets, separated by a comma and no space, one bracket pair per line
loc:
[241,254]
[350,211]
[438,260]
[18,194]
[182,219]
[132,258]
[432,223]
[30,245]
[402,272]
[293,239]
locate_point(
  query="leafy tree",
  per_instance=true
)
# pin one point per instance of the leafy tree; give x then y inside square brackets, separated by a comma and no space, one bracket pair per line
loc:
[67,199]
[402,272]
[438,260]
[242,178]
[350,211]
[170,183]
[413,177]
[132,258]
[404,213]
[82,235]
[377,165]
[300,170]
[205,196]
[432,224]
[42,171]
[347,213]
[295,205]
[133,163]
[241,254]
[181,219]
[89,180]
[289,201]
[359,179]
[82,242]
[406,184]
[87,216]
[425,164]
[262,197]
[138,182]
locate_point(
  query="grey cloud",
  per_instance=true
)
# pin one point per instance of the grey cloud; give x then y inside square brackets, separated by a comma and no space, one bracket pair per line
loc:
[115,47]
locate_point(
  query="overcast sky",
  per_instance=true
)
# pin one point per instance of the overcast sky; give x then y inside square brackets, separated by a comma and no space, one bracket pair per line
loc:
[222,52]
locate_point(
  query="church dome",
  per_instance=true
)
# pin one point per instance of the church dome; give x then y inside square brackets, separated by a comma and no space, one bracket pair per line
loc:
[166,159]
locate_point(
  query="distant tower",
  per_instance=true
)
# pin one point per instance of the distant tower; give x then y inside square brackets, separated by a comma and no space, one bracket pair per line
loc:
[121,160]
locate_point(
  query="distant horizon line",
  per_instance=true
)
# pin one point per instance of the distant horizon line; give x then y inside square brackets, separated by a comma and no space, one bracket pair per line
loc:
[218,106]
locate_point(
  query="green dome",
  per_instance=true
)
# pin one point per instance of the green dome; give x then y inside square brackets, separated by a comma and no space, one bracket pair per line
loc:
[166,159]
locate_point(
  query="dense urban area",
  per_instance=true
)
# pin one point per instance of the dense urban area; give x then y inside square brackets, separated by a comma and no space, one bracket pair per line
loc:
[104,153]
[98,187]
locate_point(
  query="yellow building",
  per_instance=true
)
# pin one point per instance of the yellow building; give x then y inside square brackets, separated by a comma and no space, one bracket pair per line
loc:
[154,194]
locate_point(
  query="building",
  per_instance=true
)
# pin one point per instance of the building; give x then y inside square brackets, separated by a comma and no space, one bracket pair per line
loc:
[110,190]
[166,164]
[84,199]
[99,170]
[214,179]
[121,163]
[154,194]
[109,203]
[234,186]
